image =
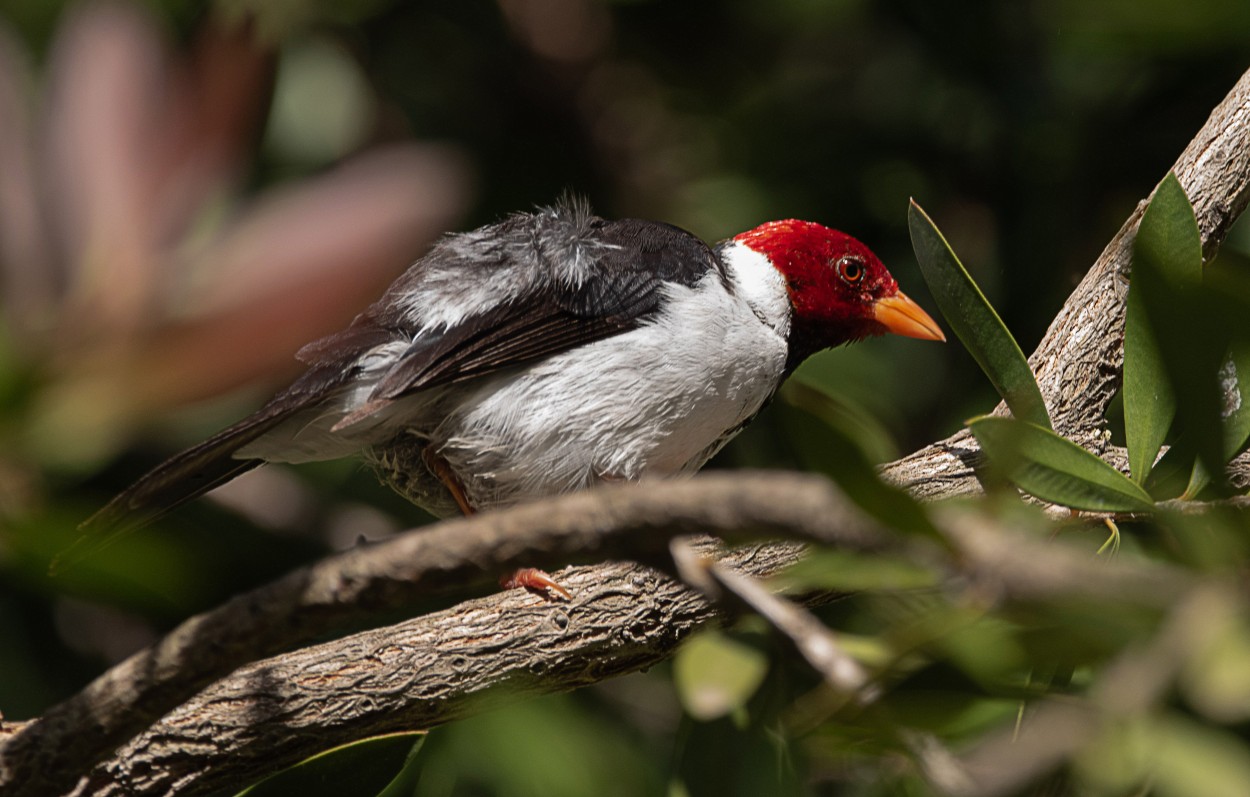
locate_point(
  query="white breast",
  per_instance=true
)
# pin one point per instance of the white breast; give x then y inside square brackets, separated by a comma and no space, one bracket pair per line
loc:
[653,402]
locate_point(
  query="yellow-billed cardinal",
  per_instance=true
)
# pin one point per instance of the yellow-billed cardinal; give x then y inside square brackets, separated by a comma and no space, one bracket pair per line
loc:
[549,352]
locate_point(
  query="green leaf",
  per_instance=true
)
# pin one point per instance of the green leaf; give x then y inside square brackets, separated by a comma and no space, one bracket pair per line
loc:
[1173,471]
[850,572]
[1049,467]
[1214,678]
[1192,760]
[974,321]
[1184,323]
[840,408]
[367,767]
[1167,256]
[1227,292]
[404,784]
[716,675]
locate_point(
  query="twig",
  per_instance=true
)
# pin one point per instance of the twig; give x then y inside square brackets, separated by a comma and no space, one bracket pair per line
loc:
[816,643]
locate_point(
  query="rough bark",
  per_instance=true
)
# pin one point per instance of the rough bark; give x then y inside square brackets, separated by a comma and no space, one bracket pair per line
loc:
[439,667]
[626,521]
[278,710]
[415,675]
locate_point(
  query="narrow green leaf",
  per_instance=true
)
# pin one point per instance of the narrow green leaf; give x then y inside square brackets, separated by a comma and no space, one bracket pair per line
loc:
[1149,405]
[974,321]
[1172,472]
[404,784]
[1180,313]
[1049,467]
[1167,255]
[716,675]
[365,767]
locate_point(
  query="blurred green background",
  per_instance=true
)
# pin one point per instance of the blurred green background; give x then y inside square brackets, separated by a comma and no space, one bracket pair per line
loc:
[189,191]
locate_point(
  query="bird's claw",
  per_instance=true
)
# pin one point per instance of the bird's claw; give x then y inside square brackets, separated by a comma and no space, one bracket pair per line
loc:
[532,578]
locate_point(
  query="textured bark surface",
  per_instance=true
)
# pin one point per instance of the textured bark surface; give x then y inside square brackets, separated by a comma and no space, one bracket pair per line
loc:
[624,617]
[418,674]
[354,588]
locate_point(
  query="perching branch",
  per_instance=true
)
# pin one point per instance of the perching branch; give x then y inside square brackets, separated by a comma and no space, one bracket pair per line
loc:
[435,668]
[625,522]
[623,618]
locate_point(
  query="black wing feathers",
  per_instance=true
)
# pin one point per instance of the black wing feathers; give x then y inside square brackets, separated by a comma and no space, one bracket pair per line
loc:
[634,258]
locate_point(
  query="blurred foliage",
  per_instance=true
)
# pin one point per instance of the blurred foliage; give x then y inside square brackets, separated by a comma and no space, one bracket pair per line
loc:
[190,191]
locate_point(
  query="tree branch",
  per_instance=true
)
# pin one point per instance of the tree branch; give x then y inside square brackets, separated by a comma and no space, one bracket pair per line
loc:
[623,617]
[442,666]
[624,522]
[1078,363]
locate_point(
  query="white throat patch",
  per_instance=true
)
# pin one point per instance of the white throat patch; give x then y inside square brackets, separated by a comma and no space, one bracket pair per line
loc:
[760,284]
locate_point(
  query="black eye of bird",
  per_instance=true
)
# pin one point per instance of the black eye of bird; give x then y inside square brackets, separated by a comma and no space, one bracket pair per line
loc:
[851,269]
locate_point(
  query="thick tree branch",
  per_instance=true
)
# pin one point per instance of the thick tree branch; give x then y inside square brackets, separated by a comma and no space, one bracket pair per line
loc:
[432,669]
[442,666]
[417,674]
[626,522]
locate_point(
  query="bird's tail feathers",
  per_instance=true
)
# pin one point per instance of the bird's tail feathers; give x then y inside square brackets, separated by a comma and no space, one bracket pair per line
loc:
[175,481]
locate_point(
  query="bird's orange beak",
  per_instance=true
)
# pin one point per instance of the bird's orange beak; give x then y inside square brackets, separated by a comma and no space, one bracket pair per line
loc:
[902,316]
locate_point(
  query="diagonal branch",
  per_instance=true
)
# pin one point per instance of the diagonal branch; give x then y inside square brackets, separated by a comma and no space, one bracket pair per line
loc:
[1078,363]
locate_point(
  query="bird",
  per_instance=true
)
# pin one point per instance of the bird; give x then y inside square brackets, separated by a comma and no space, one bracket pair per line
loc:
[548,352]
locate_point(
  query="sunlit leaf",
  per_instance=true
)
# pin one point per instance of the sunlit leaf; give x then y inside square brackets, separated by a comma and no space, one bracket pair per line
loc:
[716,675]
[974,321]
[1191,760]
[1167,246]
[366,767]
[1214,679]
[1049,467]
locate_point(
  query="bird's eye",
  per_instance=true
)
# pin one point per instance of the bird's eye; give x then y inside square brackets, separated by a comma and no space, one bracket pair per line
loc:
[851,269]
